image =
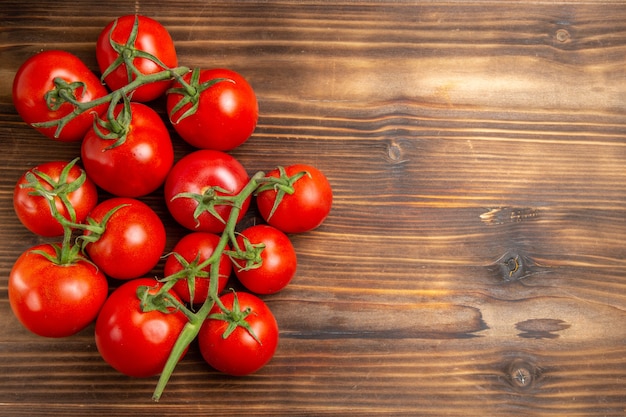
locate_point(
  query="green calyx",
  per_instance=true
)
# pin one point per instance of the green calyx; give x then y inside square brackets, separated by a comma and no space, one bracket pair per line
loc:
[209,200]
[250,254]
[114,128]
[64,92]
[190,93]
[282,185]
[236,317]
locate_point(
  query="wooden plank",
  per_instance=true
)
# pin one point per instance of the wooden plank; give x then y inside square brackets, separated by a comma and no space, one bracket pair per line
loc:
[473,263]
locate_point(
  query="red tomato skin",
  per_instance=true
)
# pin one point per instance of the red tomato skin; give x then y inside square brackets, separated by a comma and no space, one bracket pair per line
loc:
[138,166]
[133,241]
[54,300]
[152,37]
[227,112]
[35,78]
[305,209]
[279,260]
[135,343]
[195,173]
[240,354]
[189,247]
[34,212]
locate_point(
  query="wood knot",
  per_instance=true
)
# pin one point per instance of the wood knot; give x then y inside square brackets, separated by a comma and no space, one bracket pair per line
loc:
[395,152]
[521,374]
[562,35]
[513,266]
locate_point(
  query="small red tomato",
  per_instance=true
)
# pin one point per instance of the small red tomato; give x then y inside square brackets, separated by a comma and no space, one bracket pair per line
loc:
[277,260]
[55,300]
[305,209]
[134,342]
[196,248]
[150,37]
[34,210]
[133,239]
[138,165]
[239,353]
[36,78]
[226,115]
[202,174]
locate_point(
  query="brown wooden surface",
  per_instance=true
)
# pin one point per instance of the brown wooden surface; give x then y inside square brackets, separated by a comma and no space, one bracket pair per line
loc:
[461,138]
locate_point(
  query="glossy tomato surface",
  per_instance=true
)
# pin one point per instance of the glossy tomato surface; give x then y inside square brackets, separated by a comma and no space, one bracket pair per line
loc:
[278,260]
[133,240]
[227,111]
[305,209]
[34,210]
[138,165]
[152,37]
[240,353]
[55,300]
[35,78]
[196,173]
[195,248]
[134,342]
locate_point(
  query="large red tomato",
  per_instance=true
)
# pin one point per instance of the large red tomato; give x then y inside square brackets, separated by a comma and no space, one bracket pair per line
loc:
[239,352]
[59,179]
[226,114]
[41,86]
[133,239]
[115,42]
[305,209]
[134,342]
[193,183]
[55,300]
[138,165]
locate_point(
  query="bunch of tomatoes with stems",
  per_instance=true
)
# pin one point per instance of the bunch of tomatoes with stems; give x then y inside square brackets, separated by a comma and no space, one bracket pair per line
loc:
[145,326]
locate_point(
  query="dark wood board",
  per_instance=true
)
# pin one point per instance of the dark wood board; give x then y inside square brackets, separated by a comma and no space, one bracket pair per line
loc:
[474,260]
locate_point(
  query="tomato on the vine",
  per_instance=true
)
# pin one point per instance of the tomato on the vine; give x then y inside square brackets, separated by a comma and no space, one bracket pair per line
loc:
[133,239]
[55,300]
[243,350]
[195,248]
[303,210]
[139,164]
[59,179]
[272,269]
[42,87]
[119,45]
[134,342]
[227,109]
[198,186]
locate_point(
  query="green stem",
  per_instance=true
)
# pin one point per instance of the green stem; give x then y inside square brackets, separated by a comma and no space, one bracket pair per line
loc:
[191,329]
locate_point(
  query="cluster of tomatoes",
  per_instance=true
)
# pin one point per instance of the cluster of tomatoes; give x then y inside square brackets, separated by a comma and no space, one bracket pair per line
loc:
[145,325]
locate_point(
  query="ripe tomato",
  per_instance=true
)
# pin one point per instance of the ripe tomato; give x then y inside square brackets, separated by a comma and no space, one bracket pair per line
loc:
[196,248]
[278,260]
[133,239]
[303,210]
[134,342]
[152,38]
[137,166]
[239,353]
[36,77]
[227,111]
[197,173]
[56,176]
[55,300]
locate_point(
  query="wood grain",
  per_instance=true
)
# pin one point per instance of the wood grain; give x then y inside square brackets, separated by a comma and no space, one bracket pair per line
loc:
[474,261]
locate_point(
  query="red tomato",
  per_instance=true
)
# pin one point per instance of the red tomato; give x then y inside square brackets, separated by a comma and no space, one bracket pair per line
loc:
[196,248]
[55,300]
[303,210]
[34,210]
[278,260]
[227,111]
[137,166]
[197,173]
[151,38]
[135,343]
[239,353]
[36,77]
[133,240]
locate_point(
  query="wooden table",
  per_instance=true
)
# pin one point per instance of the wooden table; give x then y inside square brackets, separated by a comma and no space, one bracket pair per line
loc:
[474,261]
